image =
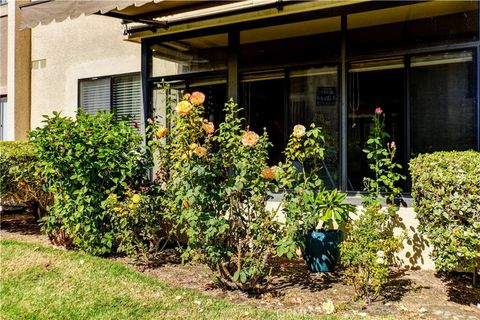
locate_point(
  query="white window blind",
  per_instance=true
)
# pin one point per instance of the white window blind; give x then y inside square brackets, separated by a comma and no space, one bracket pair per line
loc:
[127,98]
[95,95]
[121,95]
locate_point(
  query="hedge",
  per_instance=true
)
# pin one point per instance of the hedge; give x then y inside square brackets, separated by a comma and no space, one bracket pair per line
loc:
[446,192]
[20,182]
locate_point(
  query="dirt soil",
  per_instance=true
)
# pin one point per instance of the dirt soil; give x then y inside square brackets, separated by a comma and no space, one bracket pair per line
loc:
[412,294]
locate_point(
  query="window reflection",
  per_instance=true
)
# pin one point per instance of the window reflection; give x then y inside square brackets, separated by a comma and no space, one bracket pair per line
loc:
[313,98]
[443,102]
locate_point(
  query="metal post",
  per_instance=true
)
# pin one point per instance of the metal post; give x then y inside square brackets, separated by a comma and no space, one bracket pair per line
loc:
[343,107]
[232,77]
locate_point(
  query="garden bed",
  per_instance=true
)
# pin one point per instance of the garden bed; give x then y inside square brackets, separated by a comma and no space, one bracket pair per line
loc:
[411,295]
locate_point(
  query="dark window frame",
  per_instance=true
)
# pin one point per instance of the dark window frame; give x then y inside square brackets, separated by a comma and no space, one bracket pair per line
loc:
[111,78]
[344,58]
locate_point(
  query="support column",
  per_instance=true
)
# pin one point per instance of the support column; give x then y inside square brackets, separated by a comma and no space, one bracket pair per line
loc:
[232,78]
[18,76]
[343,107]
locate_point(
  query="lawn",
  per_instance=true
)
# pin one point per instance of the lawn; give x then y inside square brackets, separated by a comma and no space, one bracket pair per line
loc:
[45,283]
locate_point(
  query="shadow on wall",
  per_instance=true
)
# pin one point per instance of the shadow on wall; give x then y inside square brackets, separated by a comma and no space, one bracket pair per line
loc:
[416,252]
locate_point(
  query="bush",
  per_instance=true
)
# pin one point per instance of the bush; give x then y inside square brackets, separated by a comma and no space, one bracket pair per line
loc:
[368,252]
[446,192]
[20,181]
[84,161]
[221,195]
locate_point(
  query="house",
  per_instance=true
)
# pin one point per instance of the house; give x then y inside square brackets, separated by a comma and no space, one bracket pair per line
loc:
[328,62]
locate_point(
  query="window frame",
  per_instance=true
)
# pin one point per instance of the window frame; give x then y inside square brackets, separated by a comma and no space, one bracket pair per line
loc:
[111,79]
[344,58]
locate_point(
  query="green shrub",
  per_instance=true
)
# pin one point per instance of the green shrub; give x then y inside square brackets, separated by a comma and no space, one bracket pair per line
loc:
[446,192]
[85,160]
[368,252]
[20,180]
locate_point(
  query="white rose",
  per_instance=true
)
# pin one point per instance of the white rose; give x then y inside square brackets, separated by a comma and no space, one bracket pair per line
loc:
[298,131]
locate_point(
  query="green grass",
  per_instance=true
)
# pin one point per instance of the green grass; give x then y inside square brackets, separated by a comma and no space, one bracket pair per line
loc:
[45,283]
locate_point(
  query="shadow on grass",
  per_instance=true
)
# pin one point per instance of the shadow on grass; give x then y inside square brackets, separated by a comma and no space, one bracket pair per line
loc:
[459,287]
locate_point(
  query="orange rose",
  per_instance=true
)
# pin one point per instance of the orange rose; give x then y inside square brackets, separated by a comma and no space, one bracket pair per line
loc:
[161,132]
[200,151]
[208,126]
[183,108]
[197,98]
[250,139]
[268,173]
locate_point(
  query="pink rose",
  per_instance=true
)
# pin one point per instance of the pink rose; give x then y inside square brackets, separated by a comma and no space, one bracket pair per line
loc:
[197,98]
[378,110]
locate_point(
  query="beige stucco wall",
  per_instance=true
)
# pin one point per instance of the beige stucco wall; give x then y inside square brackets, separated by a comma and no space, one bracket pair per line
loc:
[416,250]
[64,52]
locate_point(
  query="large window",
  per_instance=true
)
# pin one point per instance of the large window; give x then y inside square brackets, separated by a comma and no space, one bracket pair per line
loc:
[371,84]
[417,61]
[443,94]
[121,95]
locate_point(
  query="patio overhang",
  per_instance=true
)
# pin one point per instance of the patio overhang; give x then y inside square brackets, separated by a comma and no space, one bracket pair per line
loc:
[45,11]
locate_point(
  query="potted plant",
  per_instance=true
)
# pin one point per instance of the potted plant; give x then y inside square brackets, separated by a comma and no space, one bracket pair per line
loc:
[314,216]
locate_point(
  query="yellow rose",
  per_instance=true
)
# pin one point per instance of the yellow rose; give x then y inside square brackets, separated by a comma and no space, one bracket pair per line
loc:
[136,198]
[193,146]
[112,196]
[298,131]
[208,126]
[250,139]
[183,108]
[131,206]
[161,132]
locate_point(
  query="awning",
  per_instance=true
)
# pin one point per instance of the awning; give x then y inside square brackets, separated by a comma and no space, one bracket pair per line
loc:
[46,11]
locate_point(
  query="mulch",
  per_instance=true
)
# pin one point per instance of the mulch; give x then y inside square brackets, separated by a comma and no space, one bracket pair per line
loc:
[411,294]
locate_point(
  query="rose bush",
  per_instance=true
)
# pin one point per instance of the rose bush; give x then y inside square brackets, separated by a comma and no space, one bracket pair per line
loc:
[369,249]
[221,189]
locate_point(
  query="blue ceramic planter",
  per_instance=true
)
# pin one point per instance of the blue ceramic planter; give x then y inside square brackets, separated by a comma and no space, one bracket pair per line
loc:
[322,249]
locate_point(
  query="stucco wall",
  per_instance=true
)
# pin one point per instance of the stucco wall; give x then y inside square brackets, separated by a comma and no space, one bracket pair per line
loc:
[64,52]
[416,250]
